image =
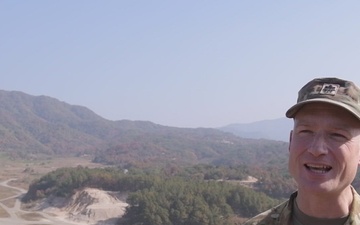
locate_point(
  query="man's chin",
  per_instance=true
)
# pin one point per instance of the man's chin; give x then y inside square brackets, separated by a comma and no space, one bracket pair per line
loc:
[318,188]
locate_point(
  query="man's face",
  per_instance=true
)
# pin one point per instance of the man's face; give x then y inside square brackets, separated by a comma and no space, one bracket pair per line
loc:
[324,148]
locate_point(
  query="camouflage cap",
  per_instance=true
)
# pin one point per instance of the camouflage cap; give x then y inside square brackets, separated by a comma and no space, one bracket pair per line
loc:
[334,91]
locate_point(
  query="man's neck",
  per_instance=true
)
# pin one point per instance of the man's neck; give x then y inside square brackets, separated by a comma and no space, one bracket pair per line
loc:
[325,205]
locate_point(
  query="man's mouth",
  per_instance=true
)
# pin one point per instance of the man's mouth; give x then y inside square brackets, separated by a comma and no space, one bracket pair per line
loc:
[318,168]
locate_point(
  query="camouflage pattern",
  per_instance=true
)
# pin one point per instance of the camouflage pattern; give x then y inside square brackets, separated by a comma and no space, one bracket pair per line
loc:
[330,90]
[281,214]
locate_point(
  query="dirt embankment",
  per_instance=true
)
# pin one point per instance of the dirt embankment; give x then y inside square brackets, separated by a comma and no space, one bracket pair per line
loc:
[88,206]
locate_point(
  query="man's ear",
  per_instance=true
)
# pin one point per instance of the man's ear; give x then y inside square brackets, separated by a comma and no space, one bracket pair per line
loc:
[290,138]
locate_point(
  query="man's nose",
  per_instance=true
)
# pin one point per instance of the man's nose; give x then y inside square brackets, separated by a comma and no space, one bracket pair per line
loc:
[318,146]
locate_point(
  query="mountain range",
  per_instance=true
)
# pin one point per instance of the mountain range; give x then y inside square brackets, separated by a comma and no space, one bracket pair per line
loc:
[277,129]
[42,126]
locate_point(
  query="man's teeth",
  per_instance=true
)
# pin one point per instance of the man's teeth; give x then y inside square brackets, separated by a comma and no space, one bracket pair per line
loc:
[318,168]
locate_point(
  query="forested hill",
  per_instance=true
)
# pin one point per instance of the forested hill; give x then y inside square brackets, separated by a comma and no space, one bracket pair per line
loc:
[33,126]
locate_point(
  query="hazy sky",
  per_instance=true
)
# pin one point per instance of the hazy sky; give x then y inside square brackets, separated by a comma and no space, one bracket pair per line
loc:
[188,63]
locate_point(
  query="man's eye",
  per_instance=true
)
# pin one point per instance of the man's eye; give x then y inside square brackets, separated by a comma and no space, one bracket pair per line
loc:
[305,131]
[338,135]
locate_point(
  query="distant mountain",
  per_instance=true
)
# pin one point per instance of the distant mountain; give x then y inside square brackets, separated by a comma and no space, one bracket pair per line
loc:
[277,129]
[41,126]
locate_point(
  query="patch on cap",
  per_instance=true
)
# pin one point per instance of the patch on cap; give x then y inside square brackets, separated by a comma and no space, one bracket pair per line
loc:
[329,89]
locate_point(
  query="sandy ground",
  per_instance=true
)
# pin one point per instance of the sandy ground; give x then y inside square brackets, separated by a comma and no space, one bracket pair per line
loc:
[18,216]
[90,206]
[15,177]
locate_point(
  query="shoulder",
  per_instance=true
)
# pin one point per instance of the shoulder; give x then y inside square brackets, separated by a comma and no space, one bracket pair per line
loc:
[355,208]
[262,218]
[278,215]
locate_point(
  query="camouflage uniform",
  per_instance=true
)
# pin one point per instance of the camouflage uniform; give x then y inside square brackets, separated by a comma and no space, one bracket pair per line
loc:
[281,214]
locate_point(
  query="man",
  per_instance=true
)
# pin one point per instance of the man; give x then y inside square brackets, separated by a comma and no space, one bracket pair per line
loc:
[324,156]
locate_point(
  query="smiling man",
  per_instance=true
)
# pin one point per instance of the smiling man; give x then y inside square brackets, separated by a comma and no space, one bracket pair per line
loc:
[324,157]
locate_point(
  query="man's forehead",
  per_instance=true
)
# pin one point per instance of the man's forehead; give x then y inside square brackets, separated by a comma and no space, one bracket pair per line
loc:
[322,111]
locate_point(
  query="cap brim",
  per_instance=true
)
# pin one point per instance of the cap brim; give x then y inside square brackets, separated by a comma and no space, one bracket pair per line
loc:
[290,113]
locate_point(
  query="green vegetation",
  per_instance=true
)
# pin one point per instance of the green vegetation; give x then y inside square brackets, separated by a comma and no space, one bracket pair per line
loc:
[178,201]
[162,198]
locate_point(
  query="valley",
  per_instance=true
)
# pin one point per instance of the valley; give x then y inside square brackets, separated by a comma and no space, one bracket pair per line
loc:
[53,149]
